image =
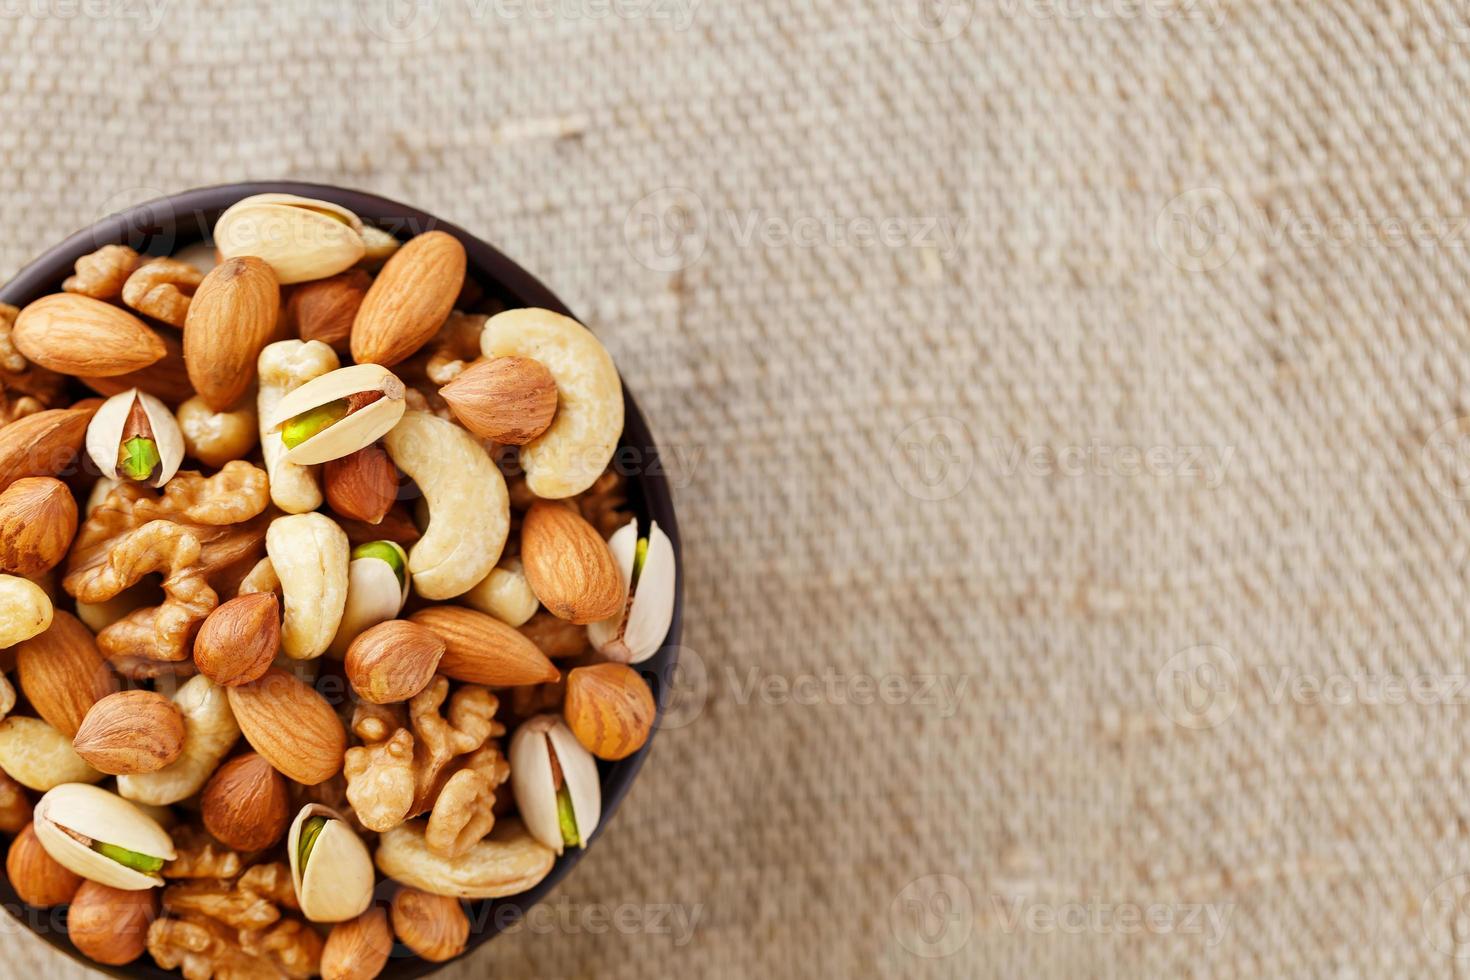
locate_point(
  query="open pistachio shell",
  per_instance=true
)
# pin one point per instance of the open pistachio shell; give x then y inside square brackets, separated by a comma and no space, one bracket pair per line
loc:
[336,883]
[534,785]
[105,818]
[300,238]
[636,635]
[358,430]
[105,432]
[374,595]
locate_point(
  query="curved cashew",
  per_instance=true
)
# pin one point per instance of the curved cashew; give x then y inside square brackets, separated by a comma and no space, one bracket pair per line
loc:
[216,438]
[39,757]
[209,732]
[505,594]
[283,367]
[25,610]
[469,506]
[508,862]
[570,455]
[309,553]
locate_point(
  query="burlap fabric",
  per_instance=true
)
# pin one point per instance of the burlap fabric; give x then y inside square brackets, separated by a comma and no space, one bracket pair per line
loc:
[1062,398]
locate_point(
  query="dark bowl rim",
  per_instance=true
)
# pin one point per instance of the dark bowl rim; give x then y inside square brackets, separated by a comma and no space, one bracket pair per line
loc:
[157,226]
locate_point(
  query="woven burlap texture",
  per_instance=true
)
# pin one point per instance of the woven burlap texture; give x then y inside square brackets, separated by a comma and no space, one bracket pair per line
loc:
[1062,402]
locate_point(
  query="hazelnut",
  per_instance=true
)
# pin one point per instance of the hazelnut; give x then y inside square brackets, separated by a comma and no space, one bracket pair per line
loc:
[359,949]
[239,640]
[245,804]
[110,925]
[433,926]
[37,877]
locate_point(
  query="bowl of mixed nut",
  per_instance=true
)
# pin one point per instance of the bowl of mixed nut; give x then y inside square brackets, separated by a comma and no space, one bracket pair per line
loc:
[338,588]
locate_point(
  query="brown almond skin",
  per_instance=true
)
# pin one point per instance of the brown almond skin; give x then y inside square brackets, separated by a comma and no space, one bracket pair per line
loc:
[433,926]
[37,877]
[73,334]
[392,661]
[131,732]
[62,673]
[568,565]
[38,519]
[410,300]
[325,309]
[610,709]
[232,317]
[362,486]
[44,444]
[245,804]
[358,950]
[110,925]
[291,725]
[511,400]
[480,649]
[239,641]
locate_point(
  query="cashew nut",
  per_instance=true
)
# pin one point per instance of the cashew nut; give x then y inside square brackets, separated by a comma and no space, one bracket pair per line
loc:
[39,757]
[209,732]
[283,367]
[469,506]
[570,455]
[216,438]
[505,594]
[25,610]
[508,862]
[310,554]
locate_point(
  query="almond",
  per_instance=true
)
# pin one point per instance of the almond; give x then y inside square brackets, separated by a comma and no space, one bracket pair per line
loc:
[291,725]
[62,673]
[231,319]
[433,926]
[37,877]
[508,399]
[44,444]
[410,300]
[245,804]
[74,334]
[393,661]
[239,640]
[610,709]
[568,564]
[131,732]
[110,925]
[358,950]
[167,379]
[38,519]
[480,649]
[325,310]
[362,486]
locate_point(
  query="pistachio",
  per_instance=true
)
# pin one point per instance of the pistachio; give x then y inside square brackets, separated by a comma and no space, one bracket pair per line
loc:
[377,588]
[299,238]
[556,784]
[135,437]
[338,413]
[330,866]
[102,837]
[650,573]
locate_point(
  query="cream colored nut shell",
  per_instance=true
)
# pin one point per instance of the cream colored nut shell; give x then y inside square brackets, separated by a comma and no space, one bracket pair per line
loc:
[535,790]
[104,434]
[299,238]
[201,255]
[573,452]
[505,594]
[358,430]
[508,862]
[39,757]
[380,245]
[634,637]
[210,731]
[373,596]
[283,367]
[25,610]
[337,883]
[216,438]
[309,553]
[99,615]
[469,506]
[7,697]
[101,816]
[100,492]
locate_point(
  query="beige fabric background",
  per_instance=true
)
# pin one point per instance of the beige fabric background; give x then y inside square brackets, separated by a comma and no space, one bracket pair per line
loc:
[1095,363]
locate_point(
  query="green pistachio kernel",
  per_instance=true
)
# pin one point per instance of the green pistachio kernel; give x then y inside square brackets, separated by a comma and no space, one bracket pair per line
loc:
[302,427]
[567,817]
[639,557]
[137,457]
[310,831]
[384,551]
[129,859]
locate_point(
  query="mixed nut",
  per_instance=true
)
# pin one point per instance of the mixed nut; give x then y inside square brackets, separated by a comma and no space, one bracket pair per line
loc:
[321,612]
